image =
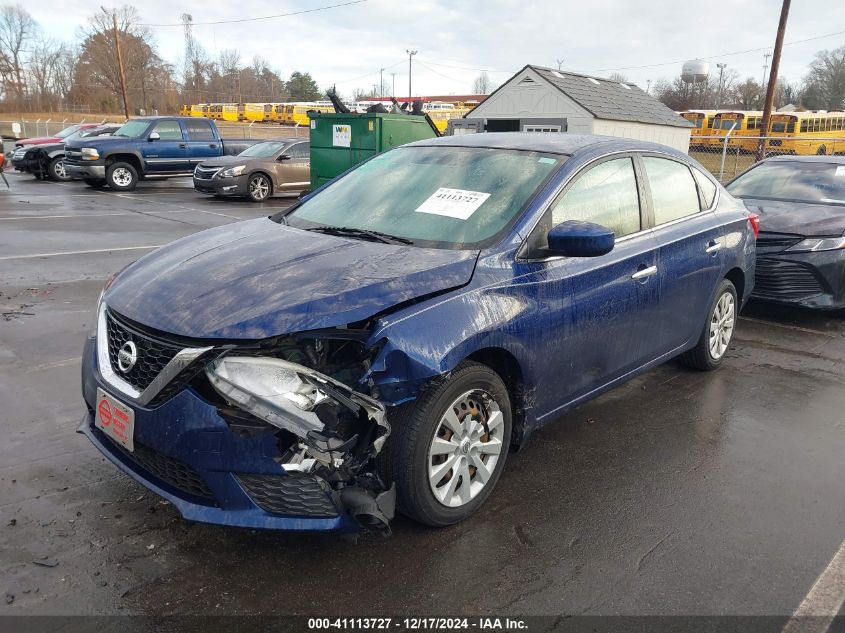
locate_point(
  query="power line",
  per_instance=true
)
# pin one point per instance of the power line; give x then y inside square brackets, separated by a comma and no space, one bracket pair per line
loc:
[263,17]
[750,50]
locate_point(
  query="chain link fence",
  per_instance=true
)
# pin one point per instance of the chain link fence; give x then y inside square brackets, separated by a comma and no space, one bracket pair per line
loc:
[727,157]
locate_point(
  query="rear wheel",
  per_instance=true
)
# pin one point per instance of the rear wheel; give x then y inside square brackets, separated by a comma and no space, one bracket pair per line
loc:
[822,151]
[121,177]
[449,447]
[56,170]
[259,188]
[718,331]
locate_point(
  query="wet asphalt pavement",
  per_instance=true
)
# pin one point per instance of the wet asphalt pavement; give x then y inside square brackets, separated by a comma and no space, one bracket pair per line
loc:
[678,493]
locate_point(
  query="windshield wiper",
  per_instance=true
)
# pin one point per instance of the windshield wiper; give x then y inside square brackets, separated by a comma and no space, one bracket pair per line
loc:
[348,231]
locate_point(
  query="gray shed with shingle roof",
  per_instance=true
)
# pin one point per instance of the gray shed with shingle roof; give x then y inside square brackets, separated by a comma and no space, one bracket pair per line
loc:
[538,99]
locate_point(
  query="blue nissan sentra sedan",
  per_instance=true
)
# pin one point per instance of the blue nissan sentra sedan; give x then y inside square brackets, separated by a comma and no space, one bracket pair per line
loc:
[385,341]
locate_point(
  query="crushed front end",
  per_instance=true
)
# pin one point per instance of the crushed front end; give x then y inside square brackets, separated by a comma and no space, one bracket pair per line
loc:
[275,434]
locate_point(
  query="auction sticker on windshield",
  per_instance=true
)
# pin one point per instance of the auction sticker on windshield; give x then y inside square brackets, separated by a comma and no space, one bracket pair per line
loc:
[115,419]
[453,203]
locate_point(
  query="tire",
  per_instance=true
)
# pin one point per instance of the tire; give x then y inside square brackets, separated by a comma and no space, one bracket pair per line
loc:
[822,151]
[707,355]
[259,188]
[56,170]
[406,459]
[94,184]
[121,177]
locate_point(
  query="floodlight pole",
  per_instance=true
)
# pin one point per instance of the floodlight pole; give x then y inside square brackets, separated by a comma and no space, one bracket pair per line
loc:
[410,57]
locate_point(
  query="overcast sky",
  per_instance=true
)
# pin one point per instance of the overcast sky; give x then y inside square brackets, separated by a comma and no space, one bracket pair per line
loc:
[457,38]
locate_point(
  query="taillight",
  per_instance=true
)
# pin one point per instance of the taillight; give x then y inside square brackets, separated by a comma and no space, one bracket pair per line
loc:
[754,221]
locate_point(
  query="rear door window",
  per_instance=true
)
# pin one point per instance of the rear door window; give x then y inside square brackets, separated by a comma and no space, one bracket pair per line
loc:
[300,150]
[706,189]
[169,130]
[199,131]
[606,195]
[673,191]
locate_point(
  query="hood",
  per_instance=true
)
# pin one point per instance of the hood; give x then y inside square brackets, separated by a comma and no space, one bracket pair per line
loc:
[257,279]
[224,161]
[801,218]
[100,141]
[37,140]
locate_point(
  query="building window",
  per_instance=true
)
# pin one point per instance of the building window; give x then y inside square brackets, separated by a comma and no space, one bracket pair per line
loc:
[541,128]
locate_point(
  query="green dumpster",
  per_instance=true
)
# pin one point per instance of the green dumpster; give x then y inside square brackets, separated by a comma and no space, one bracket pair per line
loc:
[339,141]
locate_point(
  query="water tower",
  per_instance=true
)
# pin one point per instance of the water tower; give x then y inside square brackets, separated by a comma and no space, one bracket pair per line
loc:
[694,72]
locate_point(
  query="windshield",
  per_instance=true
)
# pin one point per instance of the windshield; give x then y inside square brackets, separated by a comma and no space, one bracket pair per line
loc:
[68,131]
[445,197]
[727,124]
[811,182]
[262,150]
[133,129]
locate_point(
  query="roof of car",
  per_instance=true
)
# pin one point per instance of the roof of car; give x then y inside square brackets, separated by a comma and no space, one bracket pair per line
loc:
[551,143]
[833,160]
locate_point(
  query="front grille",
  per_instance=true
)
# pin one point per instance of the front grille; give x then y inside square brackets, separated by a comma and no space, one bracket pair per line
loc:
[205,173]
[775,242]
[778,279]
[19,153]
[295,494]
[153,353]
[169,470]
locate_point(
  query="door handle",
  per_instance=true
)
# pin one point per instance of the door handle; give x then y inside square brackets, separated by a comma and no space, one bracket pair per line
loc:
[644,273]
[212,145]
[713,247]
[183,145]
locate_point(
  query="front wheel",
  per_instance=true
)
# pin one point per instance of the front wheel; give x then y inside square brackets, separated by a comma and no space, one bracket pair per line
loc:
[449,447]
[121,177]
[716,337]
[56,170]
[259,188]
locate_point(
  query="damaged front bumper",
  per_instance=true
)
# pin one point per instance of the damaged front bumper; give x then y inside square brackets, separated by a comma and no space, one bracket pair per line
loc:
[226,465]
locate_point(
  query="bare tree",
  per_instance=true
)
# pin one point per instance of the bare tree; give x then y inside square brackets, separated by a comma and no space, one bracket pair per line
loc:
[618,77]
[43,68]
[483,85]
[748,95]
[17,30]
[825,84]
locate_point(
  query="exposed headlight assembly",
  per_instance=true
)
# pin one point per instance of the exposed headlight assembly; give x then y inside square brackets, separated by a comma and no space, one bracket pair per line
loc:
[286,394]
[231,172]
[90,153]
[814,244]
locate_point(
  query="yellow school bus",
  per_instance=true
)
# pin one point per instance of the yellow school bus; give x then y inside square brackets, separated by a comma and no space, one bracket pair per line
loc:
[807,133]
[232,112]
[746,130]
[297,114]
[268,112]
[702,120]
[278,114]
[254,111]
[440,113]
[185,110]
[199,109]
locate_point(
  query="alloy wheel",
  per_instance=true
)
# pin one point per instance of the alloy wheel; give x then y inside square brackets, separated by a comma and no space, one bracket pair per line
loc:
[59,170]
[466,446]
[122,177]
[259,188]
[722,323]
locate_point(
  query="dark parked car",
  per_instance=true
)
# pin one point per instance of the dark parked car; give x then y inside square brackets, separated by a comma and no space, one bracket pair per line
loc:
[48,160]
[801,248]
[278,166]
[396,331]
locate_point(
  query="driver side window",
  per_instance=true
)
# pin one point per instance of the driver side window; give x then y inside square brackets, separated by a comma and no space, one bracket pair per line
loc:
[169,130]
[606,194]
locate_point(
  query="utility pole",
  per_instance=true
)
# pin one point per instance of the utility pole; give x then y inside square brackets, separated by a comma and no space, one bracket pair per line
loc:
[393,92]
[719,92]
[119,62]
[773,79]
[410,57]
[647,86]
[380,84]
[560,63]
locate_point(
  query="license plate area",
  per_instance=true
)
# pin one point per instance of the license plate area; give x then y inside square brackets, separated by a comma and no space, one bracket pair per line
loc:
[115,419]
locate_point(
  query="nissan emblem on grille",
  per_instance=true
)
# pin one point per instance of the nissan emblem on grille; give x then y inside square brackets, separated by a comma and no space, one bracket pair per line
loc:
[127,357]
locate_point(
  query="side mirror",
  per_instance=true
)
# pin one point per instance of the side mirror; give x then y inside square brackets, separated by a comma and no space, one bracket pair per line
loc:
[284,157]
[154,136]
[580,239]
